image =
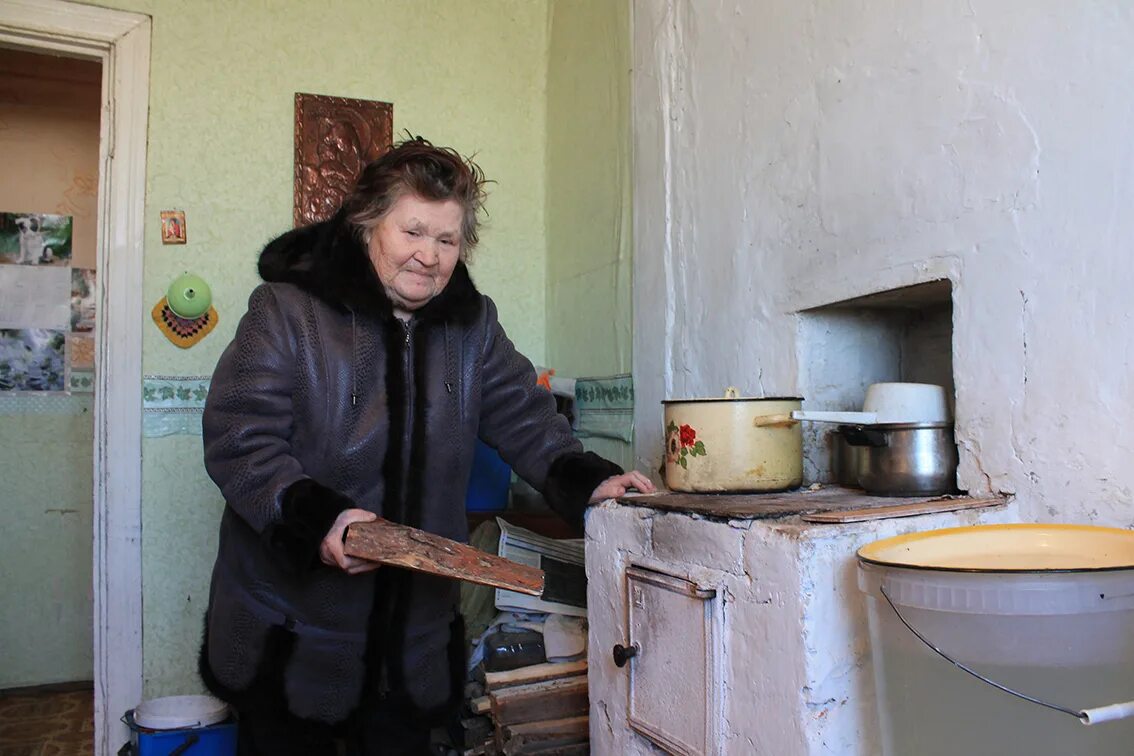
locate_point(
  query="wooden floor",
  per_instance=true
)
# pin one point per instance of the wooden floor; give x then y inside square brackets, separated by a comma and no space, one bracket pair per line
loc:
[47,723]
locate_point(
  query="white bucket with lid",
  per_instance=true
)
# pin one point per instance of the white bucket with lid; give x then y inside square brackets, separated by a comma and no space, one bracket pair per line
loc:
[1046,611]
[177,712]
[197,725]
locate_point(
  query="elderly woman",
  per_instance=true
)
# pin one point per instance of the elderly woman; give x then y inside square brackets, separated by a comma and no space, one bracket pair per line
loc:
[357,385]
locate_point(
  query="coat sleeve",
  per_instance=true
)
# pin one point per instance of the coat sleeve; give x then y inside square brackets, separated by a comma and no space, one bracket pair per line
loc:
[246,430]
[519,419]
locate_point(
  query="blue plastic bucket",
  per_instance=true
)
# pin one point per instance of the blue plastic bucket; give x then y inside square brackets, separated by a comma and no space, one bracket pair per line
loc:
[489,481]
[203,728]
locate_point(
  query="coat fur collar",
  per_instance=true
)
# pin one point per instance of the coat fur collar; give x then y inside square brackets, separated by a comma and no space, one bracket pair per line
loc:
[330,262]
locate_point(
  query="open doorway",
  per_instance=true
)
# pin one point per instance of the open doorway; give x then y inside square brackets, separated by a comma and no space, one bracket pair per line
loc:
[119,43]
[50,111]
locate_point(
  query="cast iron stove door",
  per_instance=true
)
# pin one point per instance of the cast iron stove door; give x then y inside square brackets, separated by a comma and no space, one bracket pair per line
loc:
[672,655]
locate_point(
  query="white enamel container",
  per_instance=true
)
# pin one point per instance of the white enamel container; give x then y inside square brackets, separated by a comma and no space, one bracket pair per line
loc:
[733,444]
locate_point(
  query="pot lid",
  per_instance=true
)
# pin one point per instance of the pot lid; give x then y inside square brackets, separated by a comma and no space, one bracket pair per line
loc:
[732,394]
[735,399]
[1007,548]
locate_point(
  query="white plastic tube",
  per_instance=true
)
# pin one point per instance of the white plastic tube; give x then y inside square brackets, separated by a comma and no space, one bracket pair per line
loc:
[1107,713]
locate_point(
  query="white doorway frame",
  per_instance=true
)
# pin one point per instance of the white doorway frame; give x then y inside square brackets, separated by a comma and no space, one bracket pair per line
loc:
[121,42]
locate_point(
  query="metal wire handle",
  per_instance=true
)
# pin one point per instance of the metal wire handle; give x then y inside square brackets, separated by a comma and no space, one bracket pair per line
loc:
[1082,716]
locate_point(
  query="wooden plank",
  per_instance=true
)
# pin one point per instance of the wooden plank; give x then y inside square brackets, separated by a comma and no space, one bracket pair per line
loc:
[554,699]
[402,546]
[576,749]
[783,504]
[534,673]
[903,510]
[541,737]
[481,705]
[547,746]
[534,688]
[550,728]
[524,746]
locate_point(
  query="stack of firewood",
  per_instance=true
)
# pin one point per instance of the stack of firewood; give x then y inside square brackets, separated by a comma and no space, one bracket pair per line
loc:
[541,709]
[538,709]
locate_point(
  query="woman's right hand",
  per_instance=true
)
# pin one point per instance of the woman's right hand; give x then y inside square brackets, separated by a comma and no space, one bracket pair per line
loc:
[331,549]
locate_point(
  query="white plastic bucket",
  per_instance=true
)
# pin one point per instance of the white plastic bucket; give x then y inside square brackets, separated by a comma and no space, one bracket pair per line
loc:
[1046,610]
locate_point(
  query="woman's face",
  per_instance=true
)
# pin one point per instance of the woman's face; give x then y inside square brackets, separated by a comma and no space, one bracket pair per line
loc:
[414,249]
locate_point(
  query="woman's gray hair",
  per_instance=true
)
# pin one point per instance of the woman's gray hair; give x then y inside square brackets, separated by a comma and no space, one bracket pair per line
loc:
[417,167]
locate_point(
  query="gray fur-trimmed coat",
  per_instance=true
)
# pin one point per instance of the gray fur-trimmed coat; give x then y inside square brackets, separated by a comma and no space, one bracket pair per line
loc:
[325,401]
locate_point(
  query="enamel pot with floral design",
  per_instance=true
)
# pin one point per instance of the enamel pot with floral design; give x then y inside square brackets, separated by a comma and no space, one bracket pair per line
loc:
[733,444]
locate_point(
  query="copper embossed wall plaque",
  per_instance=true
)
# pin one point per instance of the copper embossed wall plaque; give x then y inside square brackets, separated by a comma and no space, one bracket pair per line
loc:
[335,138]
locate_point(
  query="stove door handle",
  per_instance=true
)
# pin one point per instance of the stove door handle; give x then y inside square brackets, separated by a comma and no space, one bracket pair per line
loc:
[623,654]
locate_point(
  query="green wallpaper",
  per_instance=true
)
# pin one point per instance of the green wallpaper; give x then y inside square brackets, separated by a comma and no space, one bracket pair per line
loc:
[223,76]
[46,468]
[588,195]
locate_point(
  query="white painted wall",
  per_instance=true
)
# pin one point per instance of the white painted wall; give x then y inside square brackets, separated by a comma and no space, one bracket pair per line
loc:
[792,153]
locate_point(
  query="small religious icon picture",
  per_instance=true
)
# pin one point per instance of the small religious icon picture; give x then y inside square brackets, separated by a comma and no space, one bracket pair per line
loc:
[172,226]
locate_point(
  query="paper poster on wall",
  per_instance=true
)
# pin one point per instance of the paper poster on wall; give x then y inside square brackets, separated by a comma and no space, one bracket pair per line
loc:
[82,300]
[35,297]
[32,359]
[81,348]
[81,382]
[35,239]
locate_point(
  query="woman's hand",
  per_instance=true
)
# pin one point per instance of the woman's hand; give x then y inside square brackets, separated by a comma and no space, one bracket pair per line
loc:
[618,485]
[331,549]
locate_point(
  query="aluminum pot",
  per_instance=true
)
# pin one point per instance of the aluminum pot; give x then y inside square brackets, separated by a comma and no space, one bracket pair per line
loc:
[904,459]
[733,444]
[845,460]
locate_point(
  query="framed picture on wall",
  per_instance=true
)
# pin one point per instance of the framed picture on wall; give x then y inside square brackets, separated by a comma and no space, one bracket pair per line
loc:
[173,227]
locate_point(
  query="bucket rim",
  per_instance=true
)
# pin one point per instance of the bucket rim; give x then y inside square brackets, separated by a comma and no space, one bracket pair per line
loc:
[178,713]
[875,553]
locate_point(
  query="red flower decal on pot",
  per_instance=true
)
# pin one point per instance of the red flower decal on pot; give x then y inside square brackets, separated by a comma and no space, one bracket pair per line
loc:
[681,443]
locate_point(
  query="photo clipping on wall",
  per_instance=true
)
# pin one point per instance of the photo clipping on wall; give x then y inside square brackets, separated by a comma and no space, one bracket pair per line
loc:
[32,359]
[35,239]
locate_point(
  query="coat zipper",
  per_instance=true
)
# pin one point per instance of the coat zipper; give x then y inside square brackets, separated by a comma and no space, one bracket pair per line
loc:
[353,362]
[407,455]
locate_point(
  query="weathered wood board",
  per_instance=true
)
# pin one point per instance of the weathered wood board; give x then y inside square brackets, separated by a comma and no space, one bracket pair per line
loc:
[534,702]
[903,510]
[534,673]
[784,504]
[546,737]
[402,546]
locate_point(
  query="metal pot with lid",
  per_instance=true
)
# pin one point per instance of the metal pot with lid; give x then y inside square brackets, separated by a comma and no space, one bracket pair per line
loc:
[733,444]
[901,444]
